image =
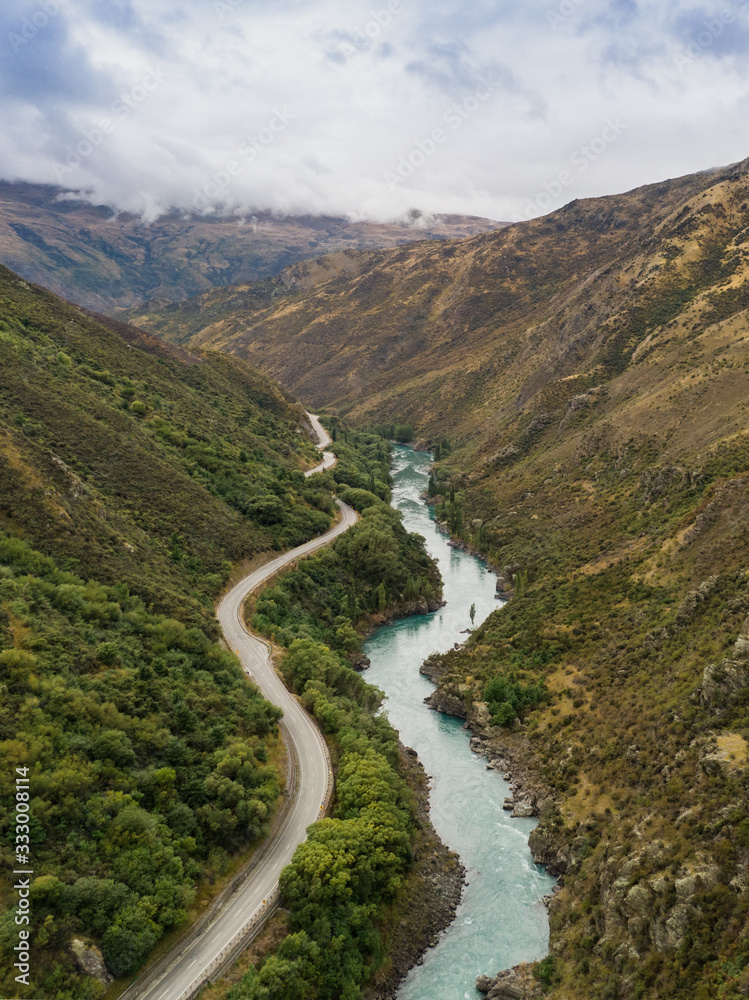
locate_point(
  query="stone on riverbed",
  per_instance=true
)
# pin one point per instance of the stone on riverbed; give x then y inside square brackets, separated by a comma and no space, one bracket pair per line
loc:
[523,810]
[512,984]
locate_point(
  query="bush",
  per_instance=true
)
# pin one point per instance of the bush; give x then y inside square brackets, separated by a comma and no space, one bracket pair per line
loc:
[508,698]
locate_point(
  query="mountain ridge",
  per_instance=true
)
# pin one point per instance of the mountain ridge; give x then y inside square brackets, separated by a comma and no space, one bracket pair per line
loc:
[584,381]
[108,261]
[337,330]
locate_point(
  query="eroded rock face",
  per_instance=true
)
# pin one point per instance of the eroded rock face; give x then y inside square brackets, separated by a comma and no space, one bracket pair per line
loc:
[90,961]
[359,661]
[512,984]
[720,682]
[550,848]
[447,703]
[434,667]
[653,914]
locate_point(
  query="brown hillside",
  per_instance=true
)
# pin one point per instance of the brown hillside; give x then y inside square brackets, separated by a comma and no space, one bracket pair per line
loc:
[523,318]
[107,261]
[592,372]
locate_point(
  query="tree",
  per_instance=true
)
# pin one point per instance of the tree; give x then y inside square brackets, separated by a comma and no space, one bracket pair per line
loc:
[266,509]
[472,613]
[127,942]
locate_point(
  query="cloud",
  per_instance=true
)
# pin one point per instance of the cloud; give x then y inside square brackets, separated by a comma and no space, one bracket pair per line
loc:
[369,110]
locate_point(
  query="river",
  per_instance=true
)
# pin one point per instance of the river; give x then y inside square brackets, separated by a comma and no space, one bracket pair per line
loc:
[501,920]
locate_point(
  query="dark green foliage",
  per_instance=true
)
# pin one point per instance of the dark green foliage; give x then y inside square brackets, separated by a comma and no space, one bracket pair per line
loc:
[149,466]
[403,433]
[353,863]
[507,698]
[375,565]
[131,476]
[288,973]
[123,717]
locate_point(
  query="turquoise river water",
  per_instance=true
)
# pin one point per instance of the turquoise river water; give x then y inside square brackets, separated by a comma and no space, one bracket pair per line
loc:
[501,920]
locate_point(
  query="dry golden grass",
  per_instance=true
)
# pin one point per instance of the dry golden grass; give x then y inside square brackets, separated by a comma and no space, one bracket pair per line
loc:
[733,749]
[589,799]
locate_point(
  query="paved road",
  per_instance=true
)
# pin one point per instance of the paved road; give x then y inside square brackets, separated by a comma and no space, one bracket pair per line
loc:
[328,459]
[313,771]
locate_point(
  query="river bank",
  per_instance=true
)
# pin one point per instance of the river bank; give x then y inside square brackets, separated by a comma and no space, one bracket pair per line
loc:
[429,899]
[501,920]
[510,752]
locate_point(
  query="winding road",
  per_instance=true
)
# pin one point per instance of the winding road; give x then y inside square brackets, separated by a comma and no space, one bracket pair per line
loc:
[230,928]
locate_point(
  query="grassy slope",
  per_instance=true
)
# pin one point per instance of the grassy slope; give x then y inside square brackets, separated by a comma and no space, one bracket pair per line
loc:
[593,370]
[443,332]
[132,466]
[132,478]
[86,254]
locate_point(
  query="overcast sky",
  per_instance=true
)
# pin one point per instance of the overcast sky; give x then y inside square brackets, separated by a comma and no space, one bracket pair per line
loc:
[369,109]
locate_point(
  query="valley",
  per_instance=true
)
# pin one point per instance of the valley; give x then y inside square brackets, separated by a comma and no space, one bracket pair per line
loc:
[137,480]
[582,381]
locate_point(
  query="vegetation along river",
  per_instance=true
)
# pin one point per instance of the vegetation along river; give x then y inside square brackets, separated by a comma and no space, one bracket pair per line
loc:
[501,920]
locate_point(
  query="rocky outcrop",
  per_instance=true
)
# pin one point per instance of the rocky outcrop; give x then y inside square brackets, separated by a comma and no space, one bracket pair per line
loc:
[448,702]
[90,961]
[550,848]
[722,682]
[434,667]
[359,661]
[512,984]
[655,912]
[690,606]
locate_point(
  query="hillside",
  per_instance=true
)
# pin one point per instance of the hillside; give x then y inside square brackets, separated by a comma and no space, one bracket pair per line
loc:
[133,475]
[522,319]
[136,478]
[591,370]
[134,462]
[107,262]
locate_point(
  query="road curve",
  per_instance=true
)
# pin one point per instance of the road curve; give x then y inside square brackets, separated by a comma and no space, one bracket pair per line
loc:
[190,968]
[328,458]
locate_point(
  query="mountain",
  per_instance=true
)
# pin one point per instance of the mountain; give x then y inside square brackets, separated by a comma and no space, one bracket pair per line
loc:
[435,332]
[584,378]
[109,261]
[132,476]
[129,460]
